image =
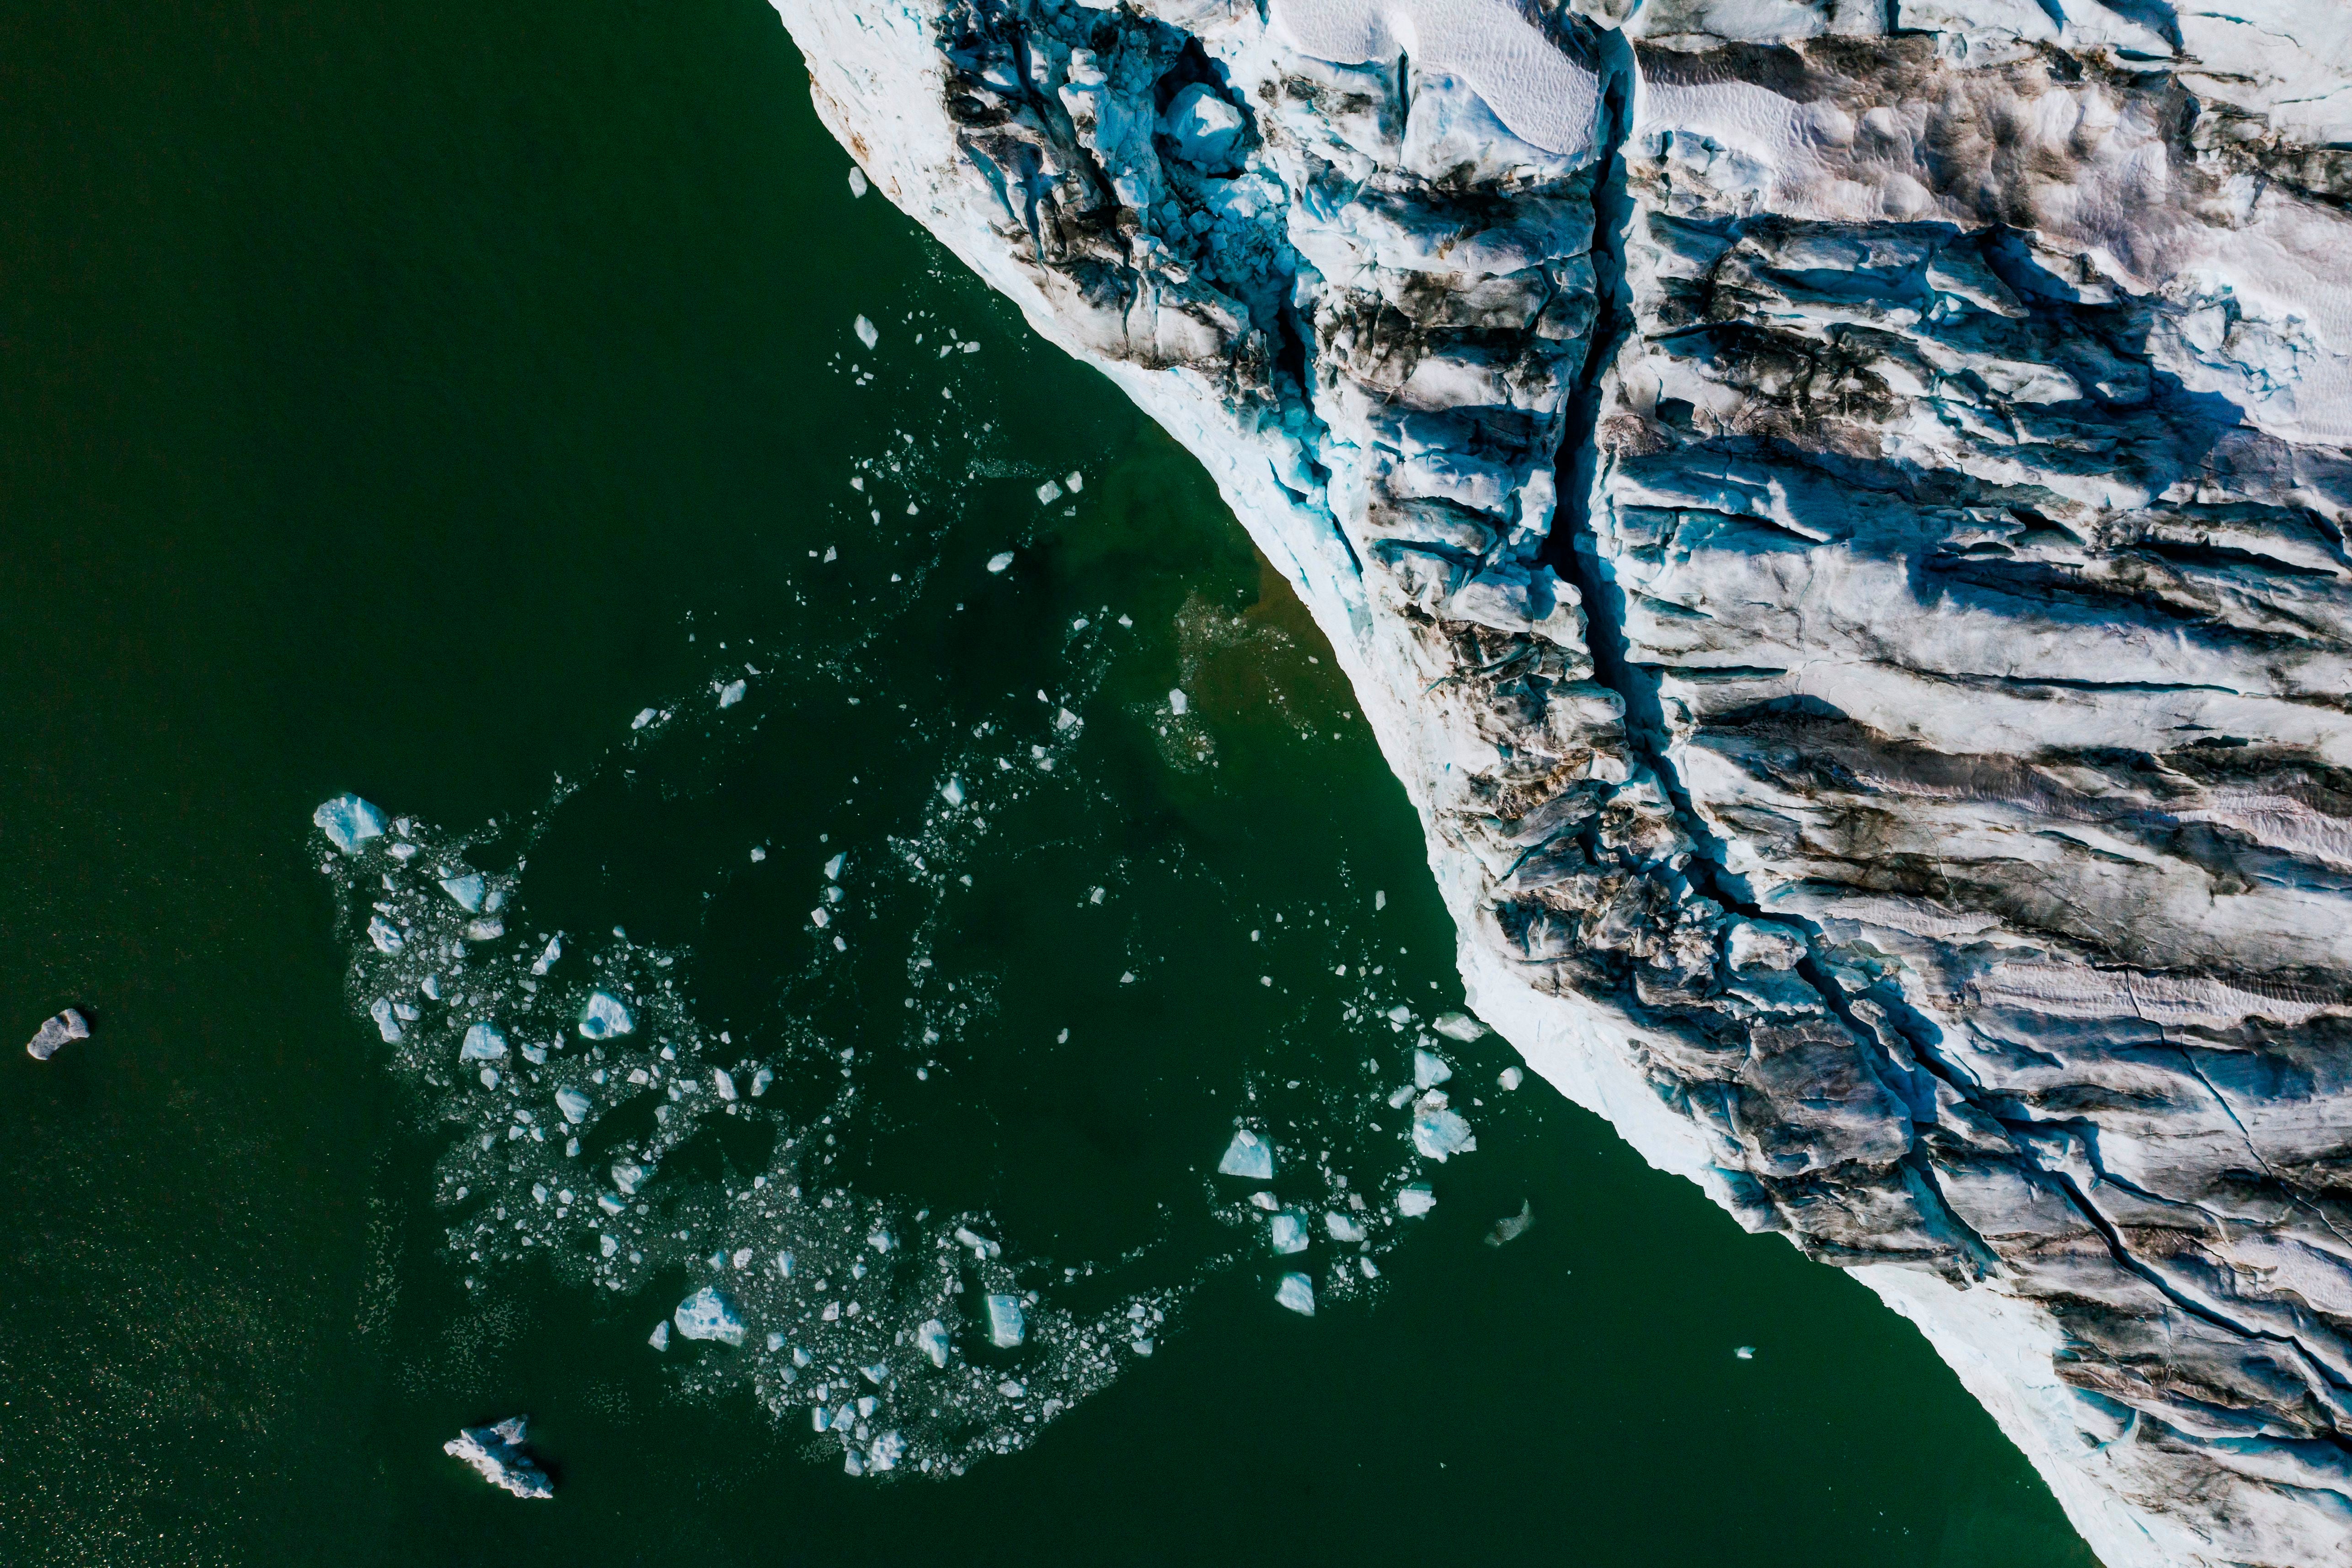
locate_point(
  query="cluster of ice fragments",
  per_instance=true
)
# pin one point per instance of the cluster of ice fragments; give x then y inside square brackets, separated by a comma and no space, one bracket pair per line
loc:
[570,1077]
[1835,510]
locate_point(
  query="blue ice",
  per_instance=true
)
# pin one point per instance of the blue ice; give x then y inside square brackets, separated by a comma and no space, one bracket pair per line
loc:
[349,823]
[1247,1156]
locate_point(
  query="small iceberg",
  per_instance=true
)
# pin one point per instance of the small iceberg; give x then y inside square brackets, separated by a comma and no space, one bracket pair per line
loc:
[952,791]
[496,1454]
[548,954]
[466,889]
[1459,1027]
[1416,1200]
[385,1024]
[707,1314]
[1287,1231]
[1510,1078]
[856,182]
[484,1042]
[1440,1134]
[659,1338]
[1342,1228]
[999,562]
[1510,1227]
[604,1016]
[349,823]
[1247,1156]
[866,333]
[1006,1326]
[723,1082]
[1297,1292]
[761,1080]
[627,1174]
[55,1032]
[573,1104]
[731,694]
[1428,1071]
[931,1339]
[386,935]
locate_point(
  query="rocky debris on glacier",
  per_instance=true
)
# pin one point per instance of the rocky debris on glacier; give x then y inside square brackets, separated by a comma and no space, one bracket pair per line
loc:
[1836,513]
[56,1033]
[497,1456]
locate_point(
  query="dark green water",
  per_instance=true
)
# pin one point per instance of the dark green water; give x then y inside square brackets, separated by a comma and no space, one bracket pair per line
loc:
[402,400]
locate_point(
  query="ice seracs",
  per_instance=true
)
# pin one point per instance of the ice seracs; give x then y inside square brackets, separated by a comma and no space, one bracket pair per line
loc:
[497,1454]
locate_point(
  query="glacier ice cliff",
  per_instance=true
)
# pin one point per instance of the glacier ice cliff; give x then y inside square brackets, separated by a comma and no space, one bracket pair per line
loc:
[1835,510]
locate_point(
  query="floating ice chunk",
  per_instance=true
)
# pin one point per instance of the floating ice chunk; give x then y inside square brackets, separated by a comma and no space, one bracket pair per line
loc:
[659,1338]
[1399,1015]
[1048,493]
[466,890]
[723,1082]
[1439,1133]
[1066,720]
[490,1080]
[485,929]
[1006,1326]
[607,1245]
[627,1174]
[760,1082]
[1429,1071]
[731,694]
[402,852]
[573,1104]
[980,1245]
[385,1024]
[1073,481]
[1341,1228]
[857,181]
[1177,704]
[1286,1231]
[610,1204]
[1247,1156]
[431,986]
[1746,1352]
[386,935]
[1416,1200]
[497,1454]
[1459,1027]
[1000,560]
[1510,1227]
[548,954]
[405,1013]
[1297,1293]
[644,716]
[67,1026]
[952,791]
[604,1017]
[1510,1078]
[707,1314]
[1265,1201]
[888,1450]
[832,868]
[931,1339]
[866,333]
[349,823]
[484,1042]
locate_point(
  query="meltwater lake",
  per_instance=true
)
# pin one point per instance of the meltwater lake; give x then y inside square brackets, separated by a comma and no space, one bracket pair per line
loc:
[512,417]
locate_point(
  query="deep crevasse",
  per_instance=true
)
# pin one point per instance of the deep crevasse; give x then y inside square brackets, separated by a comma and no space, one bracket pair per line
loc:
[1965,531]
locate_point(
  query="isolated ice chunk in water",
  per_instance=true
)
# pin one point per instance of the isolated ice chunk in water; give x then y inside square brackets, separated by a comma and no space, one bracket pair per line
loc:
[386,935]
[467,890]
[1178,702]
[644,716]
[1000,560]
[573,1104]
[484,1042]
[1048,493]
[349,823]
[1459,1027]
[659,1338]
[1510,1227]
[385,1024]
[489,1081]
[866,332]
[1297,1293]
[1247,1156]
[832,868]
[731,694]
[1287,1231]
[723,1082]
[1416,1200]
[1342,1228]
[931,1339]
[604,1017]
[1510,1078]
[497,1454]
[548,954]
[707,1314]
[1429,1071]
[1006,1324]
[55,1032]
[857,181]
[1438,1133]
[760,1082]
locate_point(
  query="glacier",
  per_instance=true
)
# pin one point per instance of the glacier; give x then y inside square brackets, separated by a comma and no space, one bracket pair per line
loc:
[1834,509]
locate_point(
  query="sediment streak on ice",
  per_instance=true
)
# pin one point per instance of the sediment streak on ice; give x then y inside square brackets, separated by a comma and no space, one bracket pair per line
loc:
[1931,835]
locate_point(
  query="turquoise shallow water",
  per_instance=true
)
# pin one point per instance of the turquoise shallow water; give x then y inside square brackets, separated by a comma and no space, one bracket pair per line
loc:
[403,400]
